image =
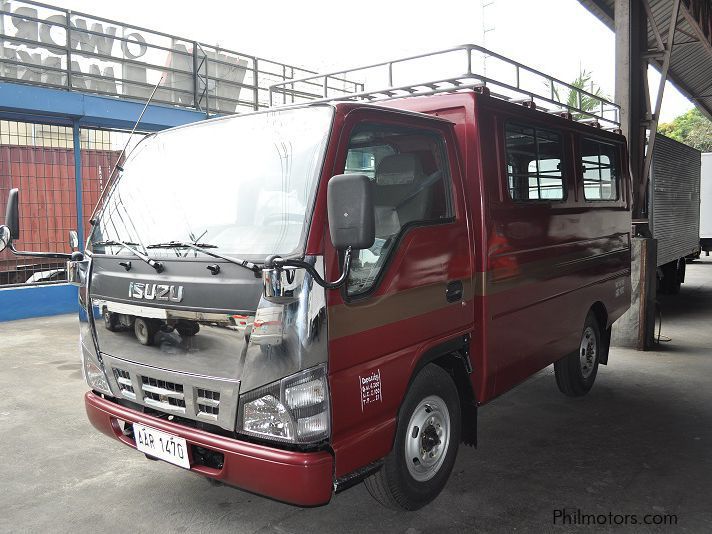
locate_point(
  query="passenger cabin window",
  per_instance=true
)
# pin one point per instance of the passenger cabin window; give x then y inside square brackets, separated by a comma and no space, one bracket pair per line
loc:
[534,163]
[599,165]
[411,186]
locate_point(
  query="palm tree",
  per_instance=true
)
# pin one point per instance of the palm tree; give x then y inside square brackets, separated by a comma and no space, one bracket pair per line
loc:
[574,99]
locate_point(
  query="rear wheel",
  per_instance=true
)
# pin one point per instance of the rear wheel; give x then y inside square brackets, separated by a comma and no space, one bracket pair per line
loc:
[673,275]
[188,328]
[145,330]
[110,320]
[576,372]
[426,443]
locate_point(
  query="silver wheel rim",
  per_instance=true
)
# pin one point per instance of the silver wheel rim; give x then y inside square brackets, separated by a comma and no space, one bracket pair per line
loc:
[588,352]
[427,438]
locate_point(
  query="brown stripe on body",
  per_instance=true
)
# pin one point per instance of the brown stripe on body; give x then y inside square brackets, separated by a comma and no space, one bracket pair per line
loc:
[382,310]
[502,279]
[374,312]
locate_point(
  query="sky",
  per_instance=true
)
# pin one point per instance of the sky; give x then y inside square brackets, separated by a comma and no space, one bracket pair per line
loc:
[558,37]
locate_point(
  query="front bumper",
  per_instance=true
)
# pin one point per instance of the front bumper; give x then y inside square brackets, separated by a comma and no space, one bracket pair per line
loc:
[304,479]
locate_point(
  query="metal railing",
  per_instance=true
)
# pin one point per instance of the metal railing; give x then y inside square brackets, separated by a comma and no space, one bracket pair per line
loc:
[51,46]
[449,70]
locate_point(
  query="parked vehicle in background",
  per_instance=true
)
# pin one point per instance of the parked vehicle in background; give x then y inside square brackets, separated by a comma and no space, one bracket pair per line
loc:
[706,203]
[51,275]
[363,281]
[674,209]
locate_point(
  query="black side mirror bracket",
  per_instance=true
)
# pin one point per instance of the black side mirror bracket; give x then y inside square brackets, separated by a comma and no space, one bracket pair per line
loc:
[12,214]
[12,232]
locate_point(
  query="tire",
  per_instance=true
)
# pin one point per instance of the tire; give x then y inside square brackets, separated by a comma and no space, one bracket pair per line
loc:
[145,330]
[429,420]
[188,328]
[671,278]
[110,320]
[576,373]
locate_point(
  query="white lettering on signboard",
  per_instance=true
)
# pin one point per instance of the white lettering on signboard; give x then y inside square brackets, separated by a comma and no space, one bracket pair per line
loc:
[37,46]
[370,386]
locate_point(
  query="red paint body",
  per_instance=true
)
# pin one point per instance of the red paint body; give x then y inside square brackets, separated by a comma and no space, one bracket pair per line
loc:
[532,271]
[299,478]
[514,332]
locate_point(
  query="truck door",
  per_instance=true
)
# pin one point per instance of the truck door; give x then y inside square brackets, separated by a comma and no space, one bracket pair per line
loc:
[411,291]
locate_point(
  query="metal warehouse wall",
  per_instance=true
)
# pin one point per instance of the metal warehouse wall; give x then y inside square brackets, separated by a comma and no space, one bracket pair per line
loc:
[39,160]
[675,199]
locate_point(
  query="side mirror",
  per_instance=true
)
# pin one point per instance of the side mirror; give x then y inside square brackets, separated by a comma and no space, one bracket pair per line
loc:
[12,214]
[73,240]
[4,237]
[352,221]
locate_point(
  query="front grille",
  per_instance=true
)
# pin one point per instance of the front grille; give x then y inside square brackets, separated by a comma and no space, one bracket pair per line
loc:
[162,384]
[123,378]
[163,395]
[190,396]
[208,403]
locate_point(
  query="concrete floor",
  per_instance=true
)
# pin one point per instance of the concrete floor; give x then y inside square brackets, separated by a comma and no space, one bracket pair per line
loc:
[639,443]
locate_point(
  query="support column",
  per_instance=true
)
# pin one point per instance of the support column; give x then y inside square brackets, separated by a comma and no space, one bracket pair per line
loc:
[636,328]
[78,182]
[631,90]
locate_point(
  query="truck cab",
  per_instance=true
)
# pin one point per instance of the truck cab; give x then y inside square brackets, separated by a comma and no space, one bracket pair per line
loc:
[296,300]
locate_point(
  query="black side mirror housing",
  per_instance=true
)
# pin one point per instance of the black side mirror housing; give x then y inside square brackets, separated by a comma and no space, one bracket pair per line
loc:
[12,214]
[352,221]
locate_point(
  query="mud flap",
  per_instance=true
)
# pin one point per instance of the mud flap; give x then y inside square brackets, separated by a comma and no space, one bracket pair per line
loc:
[606,335]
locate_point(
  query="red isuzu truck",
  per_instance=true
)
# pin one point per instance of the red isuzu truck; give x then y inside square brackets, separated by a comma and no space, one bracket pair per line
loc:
[296,300]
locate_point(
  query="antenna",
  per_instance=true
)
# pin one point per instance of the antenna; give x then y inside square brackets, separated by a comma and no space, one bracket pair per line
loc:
[123,151]
[133,130]
[484,4]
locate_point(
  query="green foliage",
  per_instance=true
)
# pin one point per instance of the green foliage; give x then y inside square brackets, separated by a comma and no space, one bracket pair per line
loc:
[691,128]
[583,81]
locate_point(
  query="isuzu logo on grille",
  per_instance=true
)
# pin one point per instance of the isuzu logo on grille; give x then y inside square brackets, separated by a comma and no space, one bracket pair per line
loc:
[146,291]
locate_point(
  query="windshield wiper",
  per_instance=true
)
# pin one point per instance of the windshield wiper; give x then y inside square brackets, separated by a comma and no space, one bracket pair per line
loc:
[201,247]
[130,247]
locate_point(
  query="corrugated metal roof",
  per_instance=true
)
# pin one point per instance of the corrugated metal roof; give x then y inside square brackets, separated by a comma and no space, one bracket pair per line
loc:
[691,60]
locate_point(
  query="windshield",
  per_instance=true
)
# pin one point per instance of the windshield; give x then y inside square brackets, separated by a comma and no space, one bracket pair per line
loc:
[242,186]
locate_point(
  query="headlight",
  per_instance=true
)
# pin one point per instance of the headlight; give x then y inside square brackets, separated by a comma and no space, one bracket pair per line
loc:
[293,410]
[94,374]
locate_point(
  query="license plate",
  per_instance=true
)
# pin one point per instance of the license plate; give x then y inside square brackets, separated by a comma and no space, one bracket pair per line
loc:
[161,445]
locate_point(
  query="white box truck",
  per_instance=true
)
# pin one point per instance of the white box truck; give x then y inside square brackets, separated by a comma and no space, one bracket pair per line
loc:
[706,204]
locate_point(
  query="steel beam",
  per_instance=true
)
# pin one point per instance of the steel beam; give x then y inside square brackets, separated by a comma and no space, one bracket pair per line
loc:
[630,92]
[661,90]
[78,187]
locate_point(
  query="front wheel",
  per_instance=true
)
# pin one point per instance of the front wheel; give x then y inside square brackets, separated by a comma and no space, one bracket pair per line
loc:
[576,372]
[426,443]
[145,330]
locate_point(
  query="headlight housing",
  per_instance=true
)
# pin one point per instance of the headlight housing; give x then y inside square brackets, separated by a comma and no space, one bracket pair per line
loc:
[94,374]
[292,410]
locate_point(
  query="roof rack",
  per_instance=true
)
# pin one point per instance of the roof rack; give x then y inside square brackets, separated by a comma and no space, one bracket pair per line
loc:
[452,71]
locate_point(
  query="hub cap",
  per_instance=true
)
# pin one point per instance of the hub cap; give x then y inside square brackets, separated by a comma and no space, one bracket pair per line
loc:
[588,352]
[428,438]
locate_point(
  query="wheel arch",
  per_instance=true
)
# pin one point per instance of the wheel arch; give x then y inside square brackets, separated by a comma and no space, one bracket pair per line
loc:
[601,313]
[453,356]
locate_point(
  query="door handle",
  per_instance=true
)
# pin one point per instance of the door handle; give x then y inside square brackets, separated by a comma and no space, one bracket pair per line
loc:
[453,291]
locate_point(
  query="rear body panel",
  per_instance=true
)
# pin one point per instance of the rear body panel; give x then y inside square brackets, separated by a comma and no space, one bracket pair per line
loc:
[533,272]
[674,199]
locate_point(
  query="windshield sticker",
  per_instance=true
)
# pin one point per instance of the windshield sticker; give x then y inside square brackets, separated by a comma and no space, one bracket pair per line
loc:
[370,388]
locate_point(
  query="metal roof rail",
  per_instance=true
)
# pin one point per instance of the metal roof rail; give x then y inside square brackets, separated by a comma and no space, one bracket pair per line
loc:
[451,70]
